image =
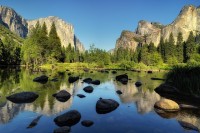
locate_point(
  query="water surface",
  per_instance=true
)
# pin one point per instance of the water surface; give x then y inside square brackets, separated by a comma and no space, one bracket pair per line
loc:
[134,115]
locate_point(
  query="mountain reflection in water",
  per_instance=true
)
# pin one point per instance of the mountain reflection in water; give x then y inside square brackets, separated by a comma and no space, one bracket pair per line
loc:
[136,109]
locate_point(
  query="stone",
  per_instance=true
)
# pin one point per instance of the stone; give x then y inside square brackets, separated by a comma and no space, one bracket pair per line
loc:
[95,82]
[104,106]
[88,89]
[167,105]
[87,80]
[188,126]
[87,123]
[122,78]
[62,96]
[114,72]
[64,129]
[69,118]
[42,79]
[73,79]
[138,84]
[165,88]
[80,95]
[54,79]
[23,97]
[119,92]
[166,115]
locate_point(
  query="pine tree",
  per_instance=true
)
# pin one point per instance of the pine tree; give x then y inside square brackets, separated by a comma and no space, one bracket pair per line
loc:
[170,48]
[54,43]
[179,48]
[161,48]
[151,48]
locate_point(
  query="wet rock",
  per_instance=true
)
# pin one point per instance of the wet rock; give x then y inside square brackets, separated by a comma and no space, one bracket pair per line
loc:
[138,84]
[157,79]
[23,97]
[34,122]
[114,72]
[88,89]
[95,82]
[80,95]
[166,115]
[119,92]
[149,71]
[54,79]
[186,106]
[69,74]
[188,126]
[73,79]
[164,88]
[87,123]
[64,129]
[62,96]
[68,119]
[167,105]
[87,80]
[104,106]
[42,79]
[122,78]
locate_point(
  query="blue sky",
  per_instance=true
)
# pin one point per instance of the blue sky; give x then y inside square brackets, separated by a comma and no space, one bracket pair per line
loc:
[100,22]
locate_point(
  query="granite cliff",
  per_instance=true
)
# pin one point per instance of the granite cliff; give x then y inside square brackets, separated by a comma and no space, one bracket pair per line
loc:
[146,32]
[20,26]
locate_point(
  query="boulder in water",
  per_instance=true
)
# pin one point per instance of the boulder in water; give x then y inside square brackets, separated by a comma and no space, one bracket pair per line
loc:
[23,97]
[104,106]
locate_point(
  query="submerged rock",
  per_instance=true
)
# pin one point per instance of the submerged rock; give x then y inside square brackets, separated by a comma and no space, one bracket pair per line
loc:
[114,72]
[188,126]
[95,82]
[80,95]
[122,78]
[167,105]
[62,96]
[119,92]
[87,123]
[69,118]
[166,115]
[73,79]
[23,97]
[88,89]
[138,84]
[34,122]
[104,106]
[64,129]
[87,80]
[42,79]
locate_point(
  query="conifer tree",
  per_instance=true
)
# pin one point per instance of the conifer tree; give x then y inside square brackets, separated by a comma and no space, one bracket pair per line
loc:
[179,48]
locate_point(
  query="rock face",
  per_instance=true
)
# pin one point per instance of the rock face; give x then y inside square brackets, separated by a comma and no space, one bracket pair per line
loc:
[13,21]
[21,26]
[146,32]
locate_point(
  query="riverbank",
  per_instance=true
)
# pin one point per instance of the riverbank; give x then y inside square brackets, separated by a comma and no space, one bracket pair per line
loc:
[94,66]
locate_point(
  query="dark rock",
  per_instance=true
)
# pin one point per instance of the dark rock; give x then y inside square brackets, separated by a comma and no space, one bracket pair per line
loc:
[69,118]
[95,82]
[54,79]
[88,89]
[23,97]
[149,71]
[104,106]
[67,70]
[42,79]
[73,79]
[122,78]
[129,79]
[185,106]
[87,123]
[138,84]
[188,126]
[87,80]
[114,72]
[157,79]
[64,129]
[34,122]
[69,74]
[80,95]
[119,92]
[164,88]
[62,96]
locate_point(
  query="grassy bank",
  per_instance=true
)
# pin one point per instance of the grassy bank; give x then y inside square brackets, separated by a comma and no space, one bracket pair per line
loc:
[95,66]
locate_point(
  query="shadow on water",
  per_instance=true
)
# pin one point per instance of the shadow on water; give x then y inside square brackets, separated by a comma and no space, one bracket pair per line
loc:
[135,109]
